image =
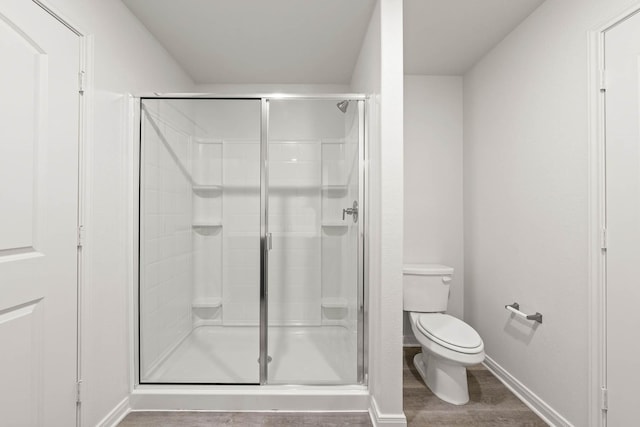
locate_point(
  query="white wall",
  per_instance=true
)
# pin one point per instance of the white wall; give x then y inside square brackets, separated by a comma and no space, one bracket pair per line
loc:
[378,73]
[526,201]
[433,178]
[125,59]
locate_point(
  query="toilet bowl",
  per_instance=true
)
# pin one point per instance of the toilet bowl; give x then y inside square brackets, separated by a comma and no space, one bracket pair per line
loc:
[448,344]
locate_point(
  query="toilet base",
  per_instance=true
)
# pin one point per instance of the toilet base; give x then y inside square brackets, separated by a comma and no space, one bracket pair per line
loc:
[445,380]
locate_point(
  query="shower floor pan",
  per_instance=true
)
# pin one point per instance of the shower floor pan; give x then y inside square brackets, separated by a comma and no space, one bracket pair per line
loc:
[314,355]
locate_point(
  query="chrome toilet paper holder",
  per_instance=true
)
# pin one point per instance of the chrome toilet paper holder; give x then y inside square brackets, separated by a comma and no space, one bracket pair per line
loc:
[515,309]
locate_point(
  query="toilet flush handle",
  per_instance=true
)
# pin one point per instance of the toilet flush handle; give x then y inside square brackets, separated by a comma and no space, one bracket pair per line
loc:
[446,279]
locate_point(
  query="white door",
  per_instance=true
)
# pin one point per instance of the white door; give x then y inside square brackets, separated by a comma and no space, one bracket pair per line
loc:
[39,101]
[622,139]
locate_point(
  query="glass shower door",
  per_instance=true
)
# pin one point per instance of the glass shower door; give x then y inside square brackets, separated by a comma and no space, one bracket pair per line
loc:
[251,237]
[314,268]
[199,287]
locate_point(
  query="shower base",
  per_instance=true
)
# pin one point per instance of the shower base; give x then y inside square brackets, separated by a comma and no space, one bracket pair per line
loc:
[310,355]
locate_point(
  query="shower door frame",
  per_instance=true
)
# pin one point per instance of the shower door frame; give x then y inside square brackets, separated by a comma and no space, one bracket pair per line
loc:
[362,256]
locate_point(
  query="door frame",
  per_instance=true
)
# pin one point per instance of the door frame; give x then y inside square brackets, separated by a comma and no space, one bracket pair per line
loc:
[85,78]
[134,118]
[597,310]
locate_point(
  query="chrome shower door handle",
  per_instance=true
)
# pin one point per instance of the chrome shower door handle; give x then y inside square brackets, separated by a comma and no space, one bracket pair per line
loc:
[353,211]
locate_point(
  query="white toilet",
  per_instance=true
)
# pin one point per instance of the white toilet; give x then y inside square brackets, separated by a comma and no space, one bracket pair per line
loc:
[448,344]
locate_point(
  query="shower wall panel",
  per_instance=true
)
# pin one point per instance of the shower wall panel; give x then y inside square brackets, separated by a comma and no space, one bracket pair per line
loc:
[334,230]
[207,230]
[241,244]
[166,238]
[228,132]
[303,268]
[294,220]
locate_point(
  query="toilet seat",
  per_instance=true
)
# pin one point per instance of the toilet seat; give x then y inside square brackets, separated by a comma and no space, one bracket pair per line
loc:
[450,332]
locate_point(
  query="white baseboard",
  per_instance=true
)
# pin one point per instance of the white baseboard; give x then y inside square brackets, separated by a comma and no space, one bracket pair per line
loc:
[387,420]
[529,398]
[410,341]
[116,415]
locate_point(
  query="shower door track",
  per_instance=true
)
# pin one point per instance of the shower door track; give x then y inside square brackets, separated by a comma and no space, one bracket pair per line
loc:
[265,98]
[257,96]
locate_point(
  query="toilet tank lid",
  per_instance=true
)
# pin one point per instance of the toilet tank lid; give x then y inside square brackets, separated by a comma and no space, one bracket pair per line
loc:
[427,269]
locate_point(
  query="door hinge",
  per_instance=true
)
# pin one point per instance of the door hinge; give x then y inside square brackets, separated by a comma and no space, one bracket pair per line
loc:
[82,81]
[81,236]
[604,398]
[79,391]
[603,243]
[602,80]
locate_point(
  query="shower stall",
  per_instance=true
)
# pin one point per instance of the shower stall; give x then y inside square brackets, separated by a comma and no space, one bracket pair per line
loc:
[251,240]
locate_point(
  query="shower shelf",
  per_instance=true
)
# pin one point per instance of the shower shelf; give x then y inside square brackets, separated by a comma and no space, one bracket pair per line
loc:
[334,302]
[334,188]
[204,302]
[334,224]
[212,224]
[206,190]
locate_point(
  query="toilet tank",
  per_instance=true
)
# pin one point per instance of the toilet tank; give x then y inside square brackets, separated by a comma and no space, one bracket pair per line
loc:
[426,287]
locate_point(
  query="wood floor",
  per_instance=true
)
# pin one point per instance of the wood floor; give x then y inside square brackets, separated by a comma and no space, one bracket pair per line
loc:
[244,419]
[491,405]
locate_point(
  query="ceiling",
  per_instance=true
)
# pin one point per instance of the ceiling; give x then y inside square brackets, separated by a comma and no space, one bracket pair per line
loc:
[259,41]
[446,37]
[318,41]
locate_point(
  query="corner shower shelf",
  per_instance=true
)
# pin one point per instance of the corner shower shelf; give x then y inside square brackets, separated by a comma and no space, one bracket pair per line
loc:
[201,140]
[334,302]
[207,302]
[207,190]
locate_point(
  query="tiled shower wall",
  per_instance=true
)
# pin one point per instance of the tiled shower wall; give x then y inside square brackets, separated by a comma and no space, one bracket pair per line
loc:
[307,192]
[207,230]
[241,241]
[166,270]
[312,276]
[295,280]
[301,223]
[232,252]
[334,230]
